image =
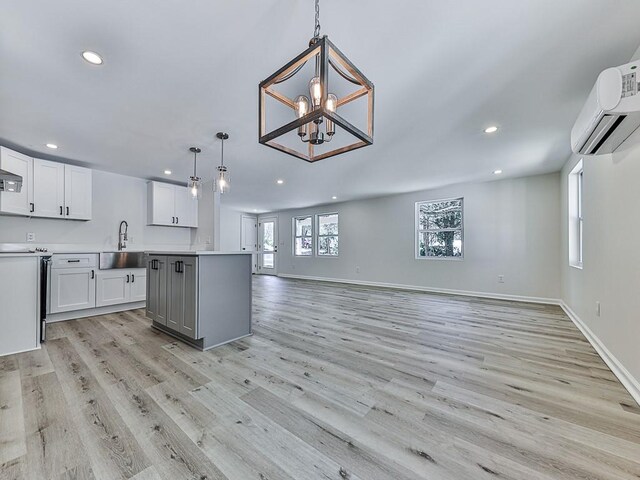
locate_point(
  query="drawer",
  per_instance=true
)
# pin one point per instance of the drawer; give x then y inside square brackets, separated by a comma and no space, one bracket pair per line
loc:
[74,260]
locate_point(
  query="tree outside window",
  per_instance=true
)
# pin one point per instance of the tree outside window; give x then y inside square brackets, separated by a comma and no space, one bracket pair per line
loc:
[439,229]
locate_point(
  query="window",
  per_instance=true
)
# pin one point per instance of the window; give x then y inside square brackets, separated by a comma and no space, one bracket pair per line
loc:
[575,197]
[303,236]
[328,235]
[439,229]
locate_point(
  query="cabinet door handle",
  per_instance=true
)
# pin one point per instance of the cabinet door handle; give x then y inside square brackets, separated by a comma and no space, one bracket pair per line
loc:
[127,278]
[177,220]
[173,219]
[133,278]
[32,207]
[60,209]
[67,211]
[73,261]
[93,274]
[177,267]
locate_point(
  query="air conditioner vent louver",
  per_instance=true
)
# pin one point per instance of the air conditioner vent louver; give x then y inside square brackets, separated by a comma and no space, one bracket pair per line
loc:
[610,115]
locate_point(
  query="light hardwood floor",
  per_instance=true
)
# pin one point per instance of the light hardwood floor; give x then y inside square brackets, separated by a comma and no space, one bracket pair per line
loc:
[338,382]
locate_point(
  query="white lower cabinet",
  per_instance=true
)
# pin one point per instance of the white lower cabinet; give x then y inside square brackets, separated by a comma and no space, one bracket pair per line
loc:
[114,287]
[72,289]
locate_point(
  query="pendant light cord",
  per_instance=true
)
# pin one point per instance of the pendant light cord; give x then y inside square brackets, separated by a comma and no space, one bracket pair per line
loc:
[316,30]
[222,151]
[195,159]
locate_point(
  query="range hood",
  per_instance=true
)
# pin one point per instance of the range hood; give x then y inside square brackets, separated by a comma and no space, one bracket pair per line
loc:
[10,182]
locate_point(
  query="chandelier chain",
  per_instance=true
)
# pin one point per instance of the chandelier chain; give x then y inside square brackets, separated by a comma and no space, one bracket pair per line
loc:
[316,30]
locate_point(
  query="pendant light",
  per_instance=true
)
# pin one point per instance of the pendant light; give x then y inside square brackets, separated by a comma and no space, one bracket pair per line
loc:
[195,183]
[315,117]
[222,179]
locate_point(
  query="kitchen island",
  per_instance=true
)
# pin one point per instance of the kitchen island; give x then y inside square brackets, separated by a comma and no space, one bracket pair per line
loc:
[200,297]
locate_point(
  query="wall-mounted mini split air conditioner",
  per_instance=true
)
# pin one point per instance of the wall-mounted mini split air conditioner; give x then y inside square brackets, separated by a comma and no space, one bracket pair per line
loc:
[611,113]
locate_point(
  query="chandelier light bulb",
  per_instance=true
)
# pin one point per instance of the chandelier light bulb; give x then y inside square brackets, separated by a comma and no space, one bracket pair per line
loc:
[315,90]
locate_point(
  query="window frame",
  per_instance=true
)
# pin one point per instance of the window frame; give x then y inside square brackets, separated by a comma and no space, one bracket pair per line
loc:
[417,230]
[318,236]
[295,236]
[575,204]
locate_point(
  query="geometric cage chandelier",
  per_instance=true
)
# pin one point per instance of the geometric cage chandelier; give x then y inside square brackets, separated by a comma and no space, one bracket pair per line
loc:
[315,127]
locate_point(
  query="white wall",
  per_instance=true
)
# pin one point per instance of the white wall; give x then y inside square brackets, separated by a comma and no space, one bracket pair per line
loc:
[115,198]
[611,262]
[230,228]
[511,228]
[611,257]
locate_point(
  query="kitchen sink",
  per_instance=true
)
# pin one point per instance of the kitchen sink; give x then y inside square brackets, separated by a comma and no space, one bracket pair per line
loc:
[110,260]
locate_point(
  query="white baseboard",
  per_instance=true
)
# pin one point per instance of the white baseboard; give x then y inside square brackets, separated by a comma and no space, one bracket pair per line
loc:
[630,383]
[92,312]
[418,288]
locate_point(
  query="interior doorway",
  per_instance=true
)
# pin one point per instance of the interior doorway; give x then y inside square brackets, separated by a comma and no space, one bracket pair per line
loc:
[268,245]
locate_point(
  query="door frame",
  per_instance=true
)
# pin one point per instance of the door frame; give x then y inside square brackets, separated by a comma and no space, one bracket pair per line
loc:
[254,255]
[261,268]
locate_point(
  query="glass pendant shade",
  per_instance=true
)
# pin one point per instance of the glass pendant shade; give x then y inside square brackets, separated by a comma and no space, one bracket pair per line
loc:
[195,188]
[222,180]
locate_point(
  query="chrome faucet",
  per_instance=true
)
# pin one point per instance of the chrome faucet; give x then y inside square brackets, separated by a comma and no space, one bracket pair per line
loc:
[122,236]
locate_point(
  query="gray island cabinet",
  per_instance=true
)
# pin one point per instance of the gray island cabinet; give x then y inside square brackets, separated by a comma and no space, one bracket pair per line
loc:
[201,298]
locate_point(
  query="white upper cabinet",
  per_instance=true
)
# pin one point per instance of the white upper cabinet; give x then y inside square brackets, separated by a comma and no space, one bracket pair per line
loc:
[171,206]
[11,202]
[78,189]
[49,189]
[186,208]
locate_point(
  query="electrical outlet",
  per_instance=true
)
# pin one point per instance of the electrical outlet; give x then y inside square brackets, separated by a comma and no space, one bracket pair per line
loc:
[130,238]
[357,269]
[500,278]
[31,237]
[598,309]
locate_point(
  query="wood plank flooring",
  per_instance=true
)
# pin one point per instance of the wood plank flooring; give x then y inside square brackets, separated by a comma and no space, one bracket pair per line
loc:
[338,382]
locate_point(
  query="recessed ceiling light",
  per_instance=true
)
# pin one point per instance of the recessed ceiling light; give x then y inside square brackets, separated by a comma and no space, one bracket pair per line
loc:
[491,129]
[167,172]
[92,57]
[497,172]
[52,145]
[334,198]
[279,181]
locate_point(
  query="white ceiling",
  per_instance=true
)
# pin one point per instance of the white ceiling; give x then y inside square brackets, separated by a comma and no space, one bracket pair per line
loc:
[176,72]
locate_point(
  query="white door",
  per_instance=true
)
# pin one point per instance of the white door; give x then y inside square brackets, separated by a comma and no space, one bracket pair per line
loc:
[48,188]
[249,239]
[112,287]
[163,202]
[267,245]
[186,208]
[77,192]
[11,202]
[138,285]
[72,289]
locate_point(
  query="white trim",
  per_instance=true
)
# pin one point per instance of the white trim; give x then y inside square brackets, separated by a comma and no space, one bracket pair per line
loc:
[92,312]
[628,381]
[420,288]
[22,351]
